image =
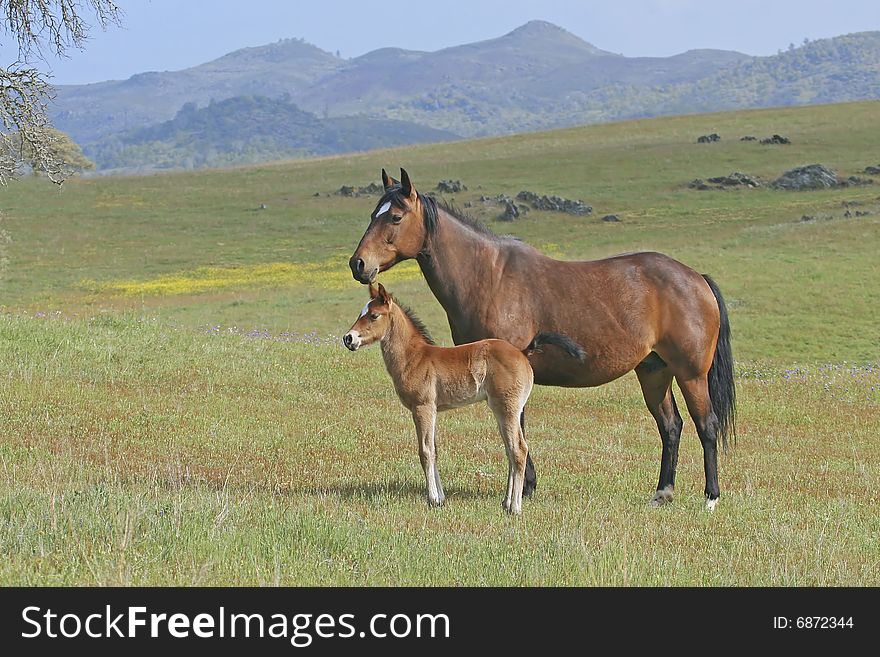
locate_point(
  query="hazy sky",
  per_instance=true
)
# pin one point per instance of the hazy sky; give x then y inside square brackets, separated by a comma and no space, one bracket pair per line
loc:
[159,35]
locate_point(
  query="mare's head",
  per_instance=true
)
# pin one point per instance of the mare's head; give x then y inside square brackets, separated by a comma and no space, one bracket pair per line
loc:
[374,321]
[397,229]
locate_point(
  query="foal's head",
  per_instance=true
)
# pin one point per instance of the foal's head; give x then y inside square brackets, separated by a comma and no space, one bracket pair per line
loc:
[374,322]
[396,232]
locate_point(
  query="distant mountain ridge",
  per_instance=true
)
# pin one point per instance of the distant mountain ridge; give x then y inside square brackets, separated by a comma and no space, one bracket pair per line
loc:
[90,112]
[537,76]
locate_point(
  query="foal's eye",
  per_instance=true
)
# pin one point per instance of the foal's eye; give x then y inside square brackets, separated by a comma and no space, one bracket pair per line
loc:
[395,219]
[374,316]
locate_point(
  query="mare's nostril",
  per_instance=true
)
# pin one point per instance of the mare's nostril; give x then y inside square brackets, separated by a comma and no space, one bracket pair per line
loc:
[357,267]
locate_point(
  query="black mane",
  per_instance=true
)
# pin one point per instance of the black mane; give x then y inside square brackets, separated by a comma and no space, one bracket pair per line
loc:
[419,324]
[463,217]
[429,212]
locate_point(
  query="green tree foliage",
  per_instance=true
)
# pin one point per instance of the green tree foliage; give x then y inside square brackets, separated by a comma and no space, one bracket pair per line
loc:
[62,150]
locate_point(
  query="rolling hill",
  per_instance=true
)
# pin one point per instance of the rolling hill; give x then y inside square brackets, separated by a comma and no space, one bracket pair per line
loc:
[178,407]
[245,129]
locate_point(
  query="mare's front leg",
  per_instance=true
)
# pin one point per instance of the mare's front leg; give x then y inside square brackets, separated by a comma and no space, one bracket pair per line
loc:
[425,418]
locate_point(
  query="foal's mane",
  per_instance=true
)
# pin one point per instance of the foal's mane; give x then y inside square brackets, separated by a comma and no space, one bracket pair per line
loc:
[417,323]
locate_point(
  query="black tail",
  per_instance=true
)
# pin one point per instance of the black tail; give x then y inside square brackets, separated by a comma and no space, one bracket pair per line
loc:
[563,342]
[722,389]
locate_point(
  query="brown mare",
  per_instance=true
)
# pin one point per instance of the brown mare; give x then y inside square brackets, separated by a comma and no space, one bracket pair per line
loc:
[429,378]
[638,311]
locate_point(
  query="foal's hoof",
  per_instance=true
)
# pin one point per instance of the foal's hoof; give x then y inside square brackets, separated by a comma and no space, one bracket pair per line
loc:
[436,503]
[510,510]
[661,497]
[711,504]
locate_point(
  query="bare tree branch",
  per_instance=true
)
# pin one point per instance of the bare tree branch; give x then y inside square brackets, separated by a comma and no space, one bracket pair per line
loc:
[24,95]
[24,91]
[58,24]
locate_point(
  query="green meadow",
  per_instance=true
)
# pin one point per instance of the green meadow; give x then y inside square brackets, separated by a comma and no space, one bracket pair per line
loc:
[176,406]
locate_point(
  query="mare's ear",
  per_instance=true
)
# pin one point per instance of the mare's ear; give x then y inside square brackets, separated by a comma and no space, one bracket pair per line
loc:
[387,181]
[373,291]
[406,187]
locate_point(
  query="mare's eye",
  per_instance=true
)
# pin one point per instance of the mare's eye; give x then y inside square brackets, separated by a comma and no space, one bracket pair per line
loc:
[395,219]
[374,316]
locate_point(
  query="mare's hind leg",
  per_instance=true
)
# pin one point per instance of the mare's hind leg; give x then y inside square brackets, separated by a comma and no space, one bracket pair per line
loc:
[531,477]
[657,390]
[696,394]
[425,418]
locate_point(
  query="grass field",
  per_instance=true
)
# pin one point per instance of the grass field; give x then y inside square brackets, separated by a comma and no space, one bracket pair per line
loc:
[177,408]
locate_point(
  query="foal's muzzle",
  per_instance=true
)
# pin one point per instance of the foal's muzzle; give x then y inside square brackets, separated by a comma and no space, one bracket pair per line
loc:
[359,271]
[351,341]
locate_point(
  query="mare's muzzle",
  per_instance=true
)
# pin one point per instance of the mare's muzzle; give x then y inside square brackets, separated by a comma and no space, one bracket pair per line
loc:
[360,272]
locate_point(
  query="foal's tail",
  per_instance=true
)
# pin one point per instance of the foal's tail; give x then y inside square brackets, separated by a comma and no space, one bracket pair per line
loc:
[722,390]
[565,343]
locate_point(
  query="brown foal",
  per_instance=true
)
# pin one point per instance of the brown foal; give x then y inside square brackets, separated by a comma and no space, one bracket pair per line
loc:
[429,378]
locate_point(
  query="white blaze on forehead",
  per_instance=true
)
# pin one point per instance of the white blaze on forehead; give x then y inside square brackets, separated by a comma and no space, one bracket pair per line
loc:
[385,207]
[364,311]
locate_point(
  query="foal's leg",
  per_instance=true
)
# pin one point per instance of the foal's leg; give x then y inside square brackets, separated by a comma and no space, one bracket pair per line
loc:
[696,394]
[437,470]
[657,390]
[425,418]
[517,452]
[531,480]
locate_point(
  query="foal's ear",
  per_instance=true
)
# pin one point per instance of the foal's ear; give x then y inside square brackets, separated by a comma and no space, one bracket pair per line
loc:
[406,187]
[373,291]
[384,297]
[387,181]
